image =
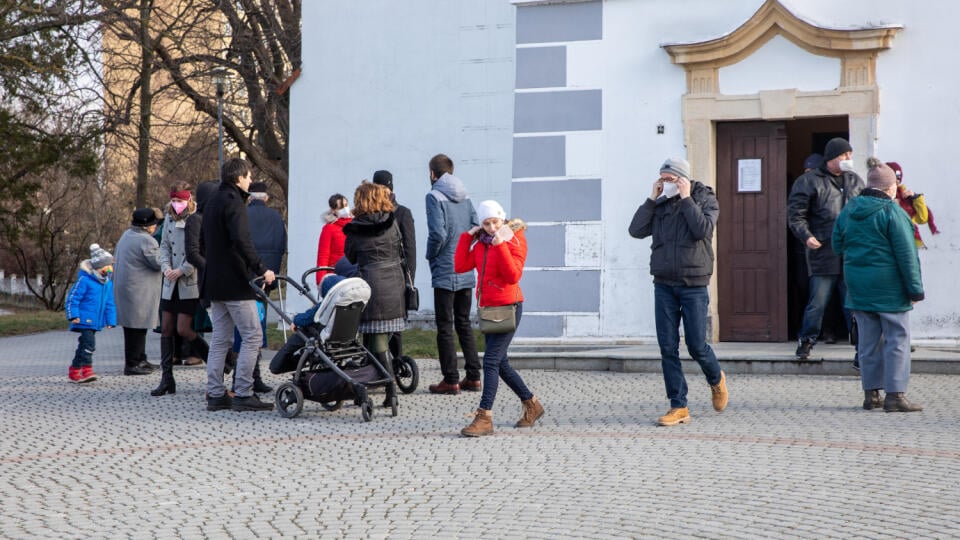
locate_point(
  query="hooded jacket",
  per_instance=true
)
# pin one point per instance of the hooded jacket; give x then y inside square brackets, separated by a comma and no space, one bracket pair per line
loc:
[499,267]
[813,206]
[330,245]
[681,253]
[91,300]
[880,263]
[373,244]
[449,213]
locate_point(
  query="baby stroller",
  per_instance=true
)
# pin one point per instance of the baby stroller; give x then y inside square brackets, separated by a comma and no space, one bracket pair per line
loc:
[405,369]
[332,365]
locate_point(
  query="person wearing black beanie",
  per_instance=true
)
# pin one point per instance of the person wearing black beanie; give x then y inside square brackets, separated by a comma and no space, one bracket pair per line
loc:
[815,201]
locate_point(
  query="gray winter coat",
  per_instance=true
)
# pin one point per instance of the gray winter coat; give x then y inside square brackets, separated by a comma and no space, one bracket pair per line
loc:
[173,256]
[812,209]
[136,279]
[682,230]
[449,213]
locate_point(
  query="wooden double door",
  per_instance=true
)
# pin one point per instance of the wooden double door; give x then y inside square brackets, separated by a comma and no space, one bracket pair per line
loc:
[752,231]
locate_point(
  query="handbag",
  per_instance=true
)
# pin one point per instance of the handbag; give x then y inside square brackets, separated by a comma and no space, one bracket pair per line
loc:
[495,319]
[411,296]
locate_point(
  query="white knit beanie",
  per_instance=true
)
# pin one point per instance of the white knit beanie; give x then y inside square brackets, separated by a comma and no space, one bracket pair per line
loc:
[490,209]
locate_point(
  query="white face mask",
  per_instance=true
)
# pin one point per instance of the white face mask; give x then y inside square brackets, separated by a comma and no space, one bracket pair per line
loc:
[670,189]
[846,165]
[343,212]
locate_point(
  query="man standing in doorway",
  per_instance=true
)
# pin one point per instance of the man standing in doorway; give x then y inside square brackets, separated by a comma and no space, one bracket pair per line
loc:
[232,262]
[450,213]
[815,202]
[681,215]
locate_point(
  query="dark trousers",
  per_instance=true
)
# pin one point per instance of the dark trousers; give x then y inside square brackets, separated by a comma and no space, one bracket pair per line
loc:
[452,309]
[134,345]
[86,344]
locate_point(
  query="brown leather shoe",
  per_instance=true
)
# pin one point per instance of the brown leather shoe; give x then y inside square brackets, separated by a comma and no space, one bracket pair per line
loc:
[720,395]
[676,415]
[468,385]
[482,424]
[872,400]
[532,411]
[445,388]
[898,402]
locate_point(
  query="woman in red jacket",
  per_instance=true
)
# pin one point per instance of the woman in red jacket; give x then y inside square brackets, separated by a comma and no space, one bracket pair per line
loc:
[497,250]
[330,247]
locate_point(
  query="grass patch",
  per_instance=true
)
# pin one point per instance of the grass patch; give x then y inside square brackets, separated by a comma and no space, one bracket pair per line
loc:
[21,320]
[416,343]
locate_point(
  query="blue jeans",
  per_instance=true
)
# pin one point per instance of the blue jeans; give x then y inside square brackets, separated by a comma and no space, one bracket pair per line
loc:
[86,344]
[821,288]
[496,366]
[689,304]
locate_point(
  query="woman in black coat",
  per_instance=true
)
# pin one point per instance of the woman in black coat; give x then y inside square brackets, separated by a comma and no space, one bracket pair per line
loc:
[373,244]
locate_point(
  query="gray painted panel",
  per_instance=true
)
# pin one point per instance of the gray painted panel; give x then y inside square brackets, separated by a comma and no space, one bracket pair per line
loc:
[560,22]
[539,156]
[546,245]
[556,290]
[540,326]
[540,67]
[560,200]
[574,110]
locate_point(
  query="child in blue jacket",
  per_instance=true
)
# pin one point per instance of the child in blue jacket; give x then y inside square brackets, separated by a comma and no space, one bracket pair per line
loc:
[90,307]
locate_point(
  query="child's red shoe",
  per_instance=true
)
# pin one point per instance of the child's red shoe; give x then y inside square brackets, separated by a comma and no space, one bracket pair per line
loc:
[75,374]
[87,374]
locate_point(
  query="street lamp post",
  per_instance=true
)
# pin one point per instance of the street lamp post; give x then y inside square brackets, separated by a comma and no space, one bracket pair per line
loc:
[220,80]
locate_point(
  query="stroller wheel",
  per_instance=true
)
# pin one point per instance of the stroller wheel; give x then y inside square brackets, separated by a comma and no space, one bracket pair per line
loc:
[366,410]
[332,406]
[289,400]
[407,374]
[394,403]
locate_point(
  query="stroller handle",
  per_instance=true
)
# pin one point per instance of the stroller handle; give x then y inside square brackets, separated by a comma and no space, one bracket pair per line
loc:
[310,272]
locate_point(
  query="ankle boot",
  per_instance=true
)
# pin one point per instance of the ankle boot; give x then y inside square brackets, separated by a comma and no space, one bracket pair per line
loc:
[872,400]
[385,361]
[167,384]
[532,411]
[259,387]
[897,402]
[482,424]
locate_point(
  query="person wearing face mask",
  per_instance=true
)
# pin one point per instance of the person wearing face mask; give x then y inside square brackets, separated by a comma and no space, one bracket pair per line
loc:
[330,246]
[181,292]
[815,201]
[681,215]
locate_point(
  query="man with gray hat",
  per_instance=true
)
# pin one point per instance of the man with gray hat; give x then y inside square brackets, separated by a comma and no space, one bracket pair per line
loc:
[815,201]
[681,215]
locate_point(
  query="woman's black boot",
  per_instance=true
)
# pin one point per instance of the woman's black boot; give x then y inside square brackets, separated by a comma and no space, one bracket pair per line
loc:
[167,384]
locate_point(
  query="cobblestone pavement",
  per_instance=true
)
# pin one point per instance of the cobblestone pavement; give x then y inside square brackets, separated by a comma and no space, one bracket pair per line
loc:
[793,456]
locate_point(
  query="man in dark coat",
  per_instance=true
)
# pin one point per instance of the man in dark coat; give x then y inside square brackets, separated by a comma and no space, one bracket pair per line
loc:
[408,235]
[814,204]
[231,262]
[681,215]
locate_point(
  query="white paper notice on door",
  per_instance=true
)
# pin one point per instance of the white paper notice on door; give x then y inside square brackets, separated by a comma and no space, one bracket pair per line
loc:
[748,179]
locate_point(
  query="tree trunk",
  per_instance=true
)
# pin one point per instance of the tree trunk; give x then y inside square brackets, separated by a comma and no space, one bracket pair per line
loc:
[146,100]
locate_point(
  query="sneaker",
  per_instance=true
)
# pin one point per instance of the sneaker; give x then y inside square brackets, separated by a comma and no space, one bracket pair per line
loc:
[87,374]
[74,374]
[250,403]
[720,394]
[804,348]
[676,415]
[219,403]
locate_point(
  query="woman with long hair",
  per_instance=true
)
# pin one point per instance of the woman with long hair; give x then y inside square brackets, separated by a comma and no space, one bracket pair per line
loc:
[497,250]
[373,244]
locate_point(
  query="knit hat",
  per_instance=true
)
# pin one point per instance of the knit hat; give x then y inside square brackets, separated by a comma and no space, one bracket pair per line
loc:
[145,217]
[880,176]
[383,178]
[896,170]
[99,257]
[813,161]
[677,166]
[490,209]
[835,147]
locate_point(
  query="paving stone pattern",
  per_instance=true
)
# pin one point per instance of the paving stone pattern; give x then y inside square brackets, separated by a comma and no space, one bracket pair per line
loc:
[793,456]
